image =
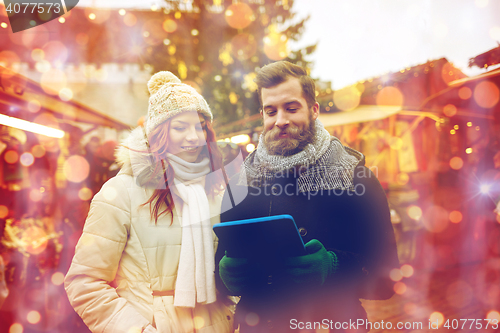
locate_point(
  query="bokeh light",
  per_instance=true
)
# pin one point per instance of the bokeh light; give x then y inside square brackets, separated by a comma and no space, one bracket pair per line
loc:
[11,157]
[239,15]
[36,195]
[459,294]
[414,212]
[155,32]
[66,94]
[435,219]
[347,99]
[465,93]
[437,317]
[276,45]
[450,110]
[400,288]
[250,147]
[390,96]
[169,25]
[26,159]
[37,54]
[16,328]
[410,308]
[43,66]
[396,275]
[468,151]
[34,106]
[450,73]
[53,81]
[97,16]
[57,278]
[82,38]
[85,194]
[109,193]
[130,20]
[493,314]
[486,94]
[455,216]
[243,46]
[33,317]
[36,240]
[198,322]
[76,168]
[38,151]
[407,270]
[252,319]
[456,163]
[4,211]
[7,59]
[55,51]
[35,37]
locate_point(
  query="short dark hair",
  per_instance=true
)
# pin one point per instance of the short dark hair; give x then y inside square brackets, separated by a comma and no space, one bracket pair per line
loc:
[278,72]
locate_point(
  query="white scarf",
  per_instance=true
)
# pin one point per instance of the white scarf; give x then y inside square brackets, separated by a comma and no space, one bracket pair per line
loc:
[195,274]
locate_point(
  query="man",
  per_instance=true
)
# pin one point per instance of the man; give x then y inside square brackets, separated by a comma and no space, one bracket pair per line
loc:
[337,203]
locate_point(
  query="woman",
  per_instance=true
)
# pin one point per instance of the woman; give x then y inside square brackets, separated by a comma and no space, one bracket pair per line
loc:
[145,260]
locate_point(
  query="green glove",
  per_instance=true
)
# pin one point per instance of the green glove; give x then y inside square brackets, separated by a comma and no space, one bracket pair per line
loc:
[240,275]
[313,268]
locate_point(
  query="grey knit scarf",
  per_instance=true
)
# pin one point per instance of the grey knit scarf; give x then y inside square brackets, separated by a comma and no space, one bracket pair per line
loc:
[324,164]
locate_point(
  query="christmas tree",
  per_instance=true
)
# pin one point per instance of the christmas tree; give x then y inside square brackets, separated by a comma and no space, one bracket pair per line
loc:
[217,46]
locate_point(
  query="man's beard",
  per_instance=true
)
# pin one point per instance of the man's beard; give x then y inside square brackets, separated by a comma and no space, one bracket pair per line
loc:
[296,141]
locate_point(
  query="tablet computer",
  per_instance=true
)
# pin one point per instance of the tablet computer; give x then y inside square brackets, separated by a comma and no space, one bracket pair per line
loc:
[264,237]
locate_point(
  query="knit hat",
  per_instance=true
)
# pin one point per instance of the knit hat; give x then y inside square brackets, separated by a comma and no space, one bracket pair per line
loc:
[169,97]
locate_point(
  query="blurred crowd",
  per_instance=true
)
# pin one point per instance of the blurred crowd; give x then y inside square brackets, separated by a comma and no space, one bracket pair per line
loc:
[46,185]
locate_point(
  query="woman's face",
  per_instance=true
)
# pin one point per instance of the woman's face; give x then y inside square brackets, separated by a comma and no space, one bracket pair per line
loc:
[187,136]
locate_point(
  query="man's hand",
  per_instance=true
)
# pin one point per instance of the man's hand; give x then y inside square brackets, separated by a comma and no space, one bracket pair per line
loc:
[240,275]
[313,268]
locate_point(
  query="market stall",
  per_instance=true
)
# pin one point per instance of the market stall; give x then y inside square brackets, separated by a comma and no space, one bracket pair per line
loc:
[47,179]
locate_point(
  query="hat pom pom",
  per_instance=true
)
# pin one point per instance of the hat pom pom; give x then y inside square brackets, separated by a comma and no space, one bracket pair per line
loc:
[159,79]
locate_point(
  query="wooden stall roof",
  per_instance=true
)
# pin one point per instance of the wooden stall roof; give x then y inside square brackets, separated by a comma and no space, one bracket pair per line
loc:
[17,91]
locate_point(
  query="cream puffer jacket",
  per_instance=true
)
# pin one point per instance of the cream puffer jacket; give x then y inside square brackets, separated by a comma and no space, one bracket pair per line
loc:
[123,256]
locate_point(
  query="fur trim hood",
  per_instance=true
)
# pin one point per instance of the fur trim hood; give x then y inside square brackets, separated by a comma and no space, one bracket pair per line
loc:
[133,156]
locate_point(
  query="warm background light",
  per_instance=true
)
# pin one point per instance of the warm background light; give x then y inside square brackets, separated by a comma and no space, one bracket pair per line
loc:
[76,168]
[16,328]
[407,271]
[57,278]
[437,316]
[396,275]
[400,288]
[455,216]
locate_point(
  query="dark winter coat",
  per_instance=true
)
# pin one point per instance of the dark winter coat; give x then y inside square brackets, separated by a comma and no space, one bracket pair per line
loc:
[354,224]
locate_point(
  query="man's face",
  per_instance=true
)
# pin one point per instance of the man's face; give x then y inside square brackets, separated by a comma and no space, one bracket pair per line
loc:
[288,122]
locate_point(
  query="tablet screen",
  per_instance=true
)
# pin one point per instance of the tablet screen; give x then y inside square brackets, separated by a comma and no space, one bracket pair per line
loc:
[265,237]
